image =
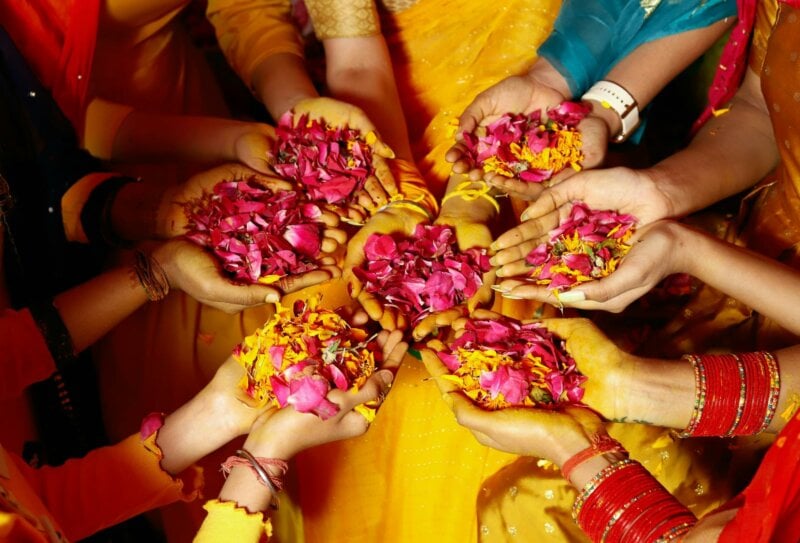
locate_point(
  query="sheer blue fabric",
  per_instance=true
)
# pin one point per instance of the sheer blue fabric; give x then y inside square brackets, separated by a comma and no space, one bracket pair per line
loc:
[590,36]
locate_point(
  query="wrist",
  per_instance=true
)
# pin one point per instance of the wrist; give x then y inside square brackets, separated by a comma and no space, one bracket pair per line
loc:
[544,73]
[607,116]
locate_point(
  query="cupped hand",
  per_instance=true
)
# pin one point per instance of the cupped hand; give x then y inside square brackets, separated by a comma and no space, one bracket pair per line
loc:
[196,272]
[171,219]
[378,188]
[594,138]
[555,435]
[621,189]
[657,251]
[282,433]
[515,94]
[392,220]
[469,235]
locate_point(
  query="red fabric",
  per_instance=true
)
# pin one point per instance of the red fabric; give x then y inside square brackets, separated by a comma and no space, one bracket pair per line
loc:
[732,63]
[57,38]
[24,356]
[770,505]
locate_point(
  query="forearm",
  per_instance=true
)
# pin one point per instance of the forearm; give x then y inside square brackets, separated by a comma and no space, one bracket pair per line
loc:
[281,81]
[359,72]
[767,286]
[197,428]
[153,137]
[730,154]
[92,309]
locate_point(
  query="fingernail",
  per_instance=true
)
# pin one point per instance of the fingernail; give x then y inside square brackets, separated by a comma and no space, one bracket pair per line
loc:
[499,288]
[493,261]
[500,272]
[572,296]
[494,246]
[386,377]
[272,298]
[524,216]
[511,296]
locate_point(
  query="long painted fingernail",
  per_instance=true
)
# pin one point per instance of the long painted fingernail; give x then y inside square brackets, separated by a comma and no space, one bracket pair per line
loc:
[511,296]
[525,215]
[572,296]
[500,288]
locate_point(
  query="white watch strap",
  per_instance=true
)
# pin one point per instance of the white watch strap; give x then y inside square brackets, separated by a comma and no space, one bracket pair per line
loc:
[615,97]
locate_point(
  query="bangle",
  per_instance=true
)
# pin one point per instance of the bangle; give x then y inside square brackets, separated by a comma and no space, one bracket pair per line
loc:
[735,395]
[151,276]
[614,96]
[96,212]
[472,194]
[623,502]
[259,466]
[408,204]
[600,444]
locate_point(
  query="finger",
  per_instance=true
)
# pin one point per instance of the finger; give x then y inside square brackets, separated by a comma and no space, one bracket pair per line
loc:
[473,115]
[530,230]
[224,294]
[513,255]
[351,424]
[376,193]
[371,305]
[455,153]
[529,291]
[329,245]
[388,319]
[471,416]
[484,294]
[363,198]
[329,218]
[518,268]
[372,391]
[485,314]
[394,349]
[431,323]
[438,371]
[382,150]
[293,283]
[355,214]
[337,234]
[524,190]
[384,175]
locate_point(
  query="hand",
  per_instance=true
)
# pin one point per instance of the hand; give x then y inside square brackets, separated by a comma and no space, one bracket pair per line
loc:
[594,137]
[657,251]
[282,433]
[516,94]
[621,189]
[171,220]
[469,235]
[379,188]
[196,272]
[392,220]
[542,433]
[254,148]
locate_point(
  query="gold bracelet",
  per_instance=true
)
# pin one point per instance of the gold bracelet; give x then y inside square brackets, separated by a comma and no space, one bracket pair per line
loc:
[472,194]
[404,203]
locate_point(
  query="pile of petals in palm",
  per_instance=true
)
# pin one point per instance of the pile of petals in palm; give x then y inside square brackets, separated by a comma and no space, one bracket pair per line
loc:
[422,273]
[528,147]
[588,245]
[505,363]
[330,163]
[301,354]
[258,235]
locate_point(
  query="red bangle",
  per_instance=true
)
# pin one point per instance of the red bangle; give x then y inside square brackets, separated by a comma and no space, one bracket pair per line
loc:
[600,444]
[625,503]
[734,394]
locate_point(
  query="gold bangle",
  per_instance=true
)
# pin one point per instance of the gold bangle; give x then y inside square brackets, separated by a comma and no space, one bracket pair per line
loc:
[472,194]
[404,203]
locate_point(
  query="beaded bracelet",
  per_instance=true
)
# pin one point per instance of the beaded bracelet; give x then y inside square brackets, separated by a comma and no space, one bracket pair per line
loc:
[623,502]
[151,276]
[259,466]
[735,395]
[471,194]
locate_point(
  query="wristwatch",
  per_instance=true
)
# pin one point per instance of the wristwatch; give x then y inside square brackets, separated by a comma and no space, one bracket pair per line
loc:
[613,96]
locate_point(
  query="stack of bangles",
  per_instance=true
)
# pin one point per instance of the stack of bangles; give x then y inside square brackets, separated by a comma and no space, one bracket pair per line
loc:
[473,190]
[264,470]
[736,394]
[624,503]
